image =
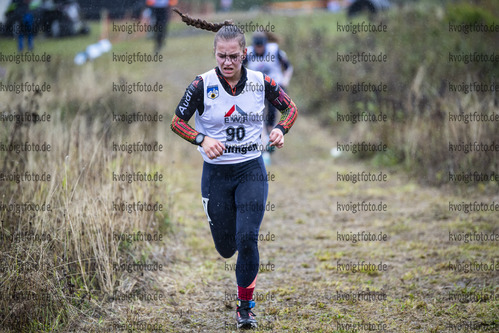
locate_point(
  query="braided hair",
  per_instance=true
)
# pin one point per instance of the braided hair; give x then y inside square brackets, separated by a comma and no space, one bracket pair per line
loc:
[225,30]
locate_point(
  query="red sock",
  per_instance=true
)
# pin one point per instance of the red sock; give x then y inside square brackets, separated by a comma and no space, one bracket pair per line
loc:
[246,294]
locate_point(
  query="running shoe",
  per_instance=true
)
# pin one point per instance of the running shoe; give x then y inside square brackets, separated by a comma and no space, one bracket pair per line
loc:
[245,317]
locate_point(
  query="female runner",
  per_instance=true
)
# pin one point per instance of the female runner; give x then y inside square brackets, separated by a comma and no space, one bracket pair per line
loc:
[229,101]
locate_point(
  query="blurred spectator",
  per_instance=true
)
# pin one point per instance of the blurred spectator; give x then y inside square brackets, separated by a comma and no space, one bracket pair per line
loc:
[25,18]
[160,12]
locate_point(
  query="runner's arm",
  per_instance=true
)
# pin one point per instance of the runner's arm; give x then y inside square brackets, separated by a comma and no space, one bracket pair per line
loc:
[282,102]
[190,102]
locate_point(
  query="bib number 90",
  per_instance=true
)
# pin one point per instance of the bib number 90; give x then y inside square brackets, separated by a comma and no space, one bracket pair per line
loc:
[237,133]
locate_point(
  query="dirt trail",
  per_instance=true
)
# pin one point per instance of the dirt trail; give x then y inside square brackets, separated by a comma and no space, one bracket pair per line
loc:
[300,292]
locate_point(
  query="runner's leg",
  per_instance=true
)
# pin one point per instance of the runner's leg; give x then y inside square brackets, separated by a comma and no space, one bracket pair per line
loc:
[217,191]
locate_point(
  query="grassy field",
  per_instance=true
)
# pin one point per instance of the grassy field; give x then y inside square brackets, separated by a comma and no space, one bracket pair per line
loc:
[69,282]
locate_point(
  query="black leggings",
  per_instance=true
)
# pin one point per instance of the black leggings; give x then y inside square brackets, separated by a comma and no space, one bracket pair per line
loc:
[161,14]
[234,197]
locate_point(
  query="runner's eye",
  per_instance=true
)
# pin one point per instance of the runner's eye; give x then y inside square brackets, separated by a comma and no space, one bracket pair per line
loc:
[232,57]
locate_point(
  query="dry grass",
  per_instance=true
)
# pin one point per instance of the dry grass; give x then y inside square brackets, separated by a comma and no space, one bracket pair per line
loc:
[62,281]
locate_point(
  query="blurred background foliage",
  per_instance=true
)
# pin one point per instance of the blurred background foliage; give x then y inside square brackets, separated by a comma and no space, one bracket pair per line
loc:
[417,73]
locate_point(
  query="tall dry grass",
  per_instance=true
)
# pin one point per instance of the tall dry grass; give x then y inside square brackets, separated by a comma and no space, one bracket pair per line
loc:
[63,279]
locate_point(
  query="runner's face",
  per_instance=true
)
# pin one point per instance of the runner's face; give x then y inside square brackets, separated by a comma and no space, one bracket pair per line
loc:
[229,57]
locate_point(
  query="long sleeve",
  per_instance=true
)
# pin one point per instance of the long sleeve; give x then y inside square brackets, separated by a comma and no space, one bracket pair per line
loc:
[282,102]
[191,102]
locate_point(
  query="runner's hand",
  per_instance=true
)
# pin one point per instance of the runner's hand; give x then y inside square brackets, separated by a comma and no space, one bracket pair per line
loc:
[276,138]
[212,147]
